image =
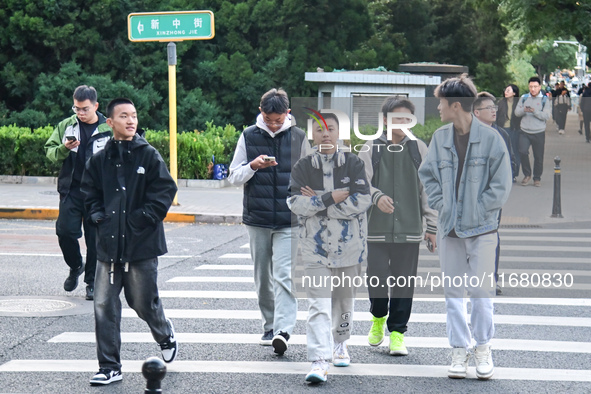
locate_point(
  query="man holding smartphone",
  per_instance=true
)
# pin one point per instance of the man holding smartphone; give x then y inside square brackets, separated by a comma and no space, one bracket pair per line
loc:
[72,143]
[535,110]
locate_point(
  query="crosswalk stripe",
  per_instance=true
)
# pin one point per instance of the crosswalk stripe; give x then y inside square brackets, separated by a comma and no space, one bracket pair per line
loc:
[426,283]
[235,256]
[546,231]
[245,246]
[211,279]
[355,340]
[366,317]
[252,295]
[229,267]
[523,259]
[517,238]
[300,368]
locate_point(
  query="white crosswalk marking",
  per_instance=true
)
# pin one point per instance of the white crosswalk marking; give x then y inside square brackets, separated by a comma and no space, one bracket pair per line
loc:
[524,251]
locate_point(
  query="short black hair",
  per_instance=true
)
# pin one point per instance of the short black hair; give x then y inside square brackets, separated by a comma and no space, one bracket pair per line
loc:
[275,101]
[535,79]
[115,102]
[393,102]
[330,115]
[83,93]
[460,89]
[481,97]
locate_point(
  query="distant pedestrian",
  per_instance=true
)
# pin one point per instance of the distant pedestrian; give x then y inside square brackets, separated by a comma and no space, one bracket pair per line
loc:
[467,178]
[73,142]
[128,191]
[586,108]
[507,119]
[265,154]
[535,109]
[562,104]
[395,225]
[330,194]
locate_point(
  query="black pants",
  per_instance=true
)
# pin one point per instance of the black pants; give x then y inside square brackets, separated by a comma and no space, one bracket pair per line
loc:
[561,112]
[72,217]
[537,142]
[587,121]
[394,260]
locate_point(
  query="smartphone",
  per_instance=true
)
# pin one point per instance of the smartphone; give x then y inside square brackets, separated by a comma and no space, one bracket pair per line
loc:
[429,245]
[269,158]
[71,138]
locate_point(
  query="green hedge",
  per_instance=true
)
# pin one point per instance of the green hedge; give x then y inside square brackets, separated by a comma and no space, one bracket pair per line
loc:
[22,153]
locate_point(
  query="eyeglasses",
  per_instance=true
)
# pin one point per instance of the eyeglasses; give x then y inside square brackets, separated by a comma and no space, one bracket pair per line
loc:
[274,124]
[490,108]
[81,110]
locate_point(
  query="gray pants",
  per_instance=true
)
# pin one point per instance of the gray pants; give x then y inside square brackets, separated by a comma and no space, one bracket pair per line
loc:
[472,260]
[330,310]
[274,262]
[141,292]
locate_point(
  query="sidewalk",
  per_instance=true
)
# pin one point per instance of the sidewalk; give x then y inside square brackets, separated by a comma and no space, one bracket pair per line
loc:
[526,206]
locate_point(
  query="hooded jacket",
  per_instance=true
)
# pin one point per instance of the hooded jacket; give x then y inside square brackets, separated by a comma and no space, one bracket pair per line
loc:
[56,151]
[334,235]
[128,191]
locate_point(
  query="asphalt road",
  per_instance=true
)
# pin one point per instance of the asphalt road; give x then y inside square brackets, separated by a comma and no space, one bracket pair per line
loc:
[542,334]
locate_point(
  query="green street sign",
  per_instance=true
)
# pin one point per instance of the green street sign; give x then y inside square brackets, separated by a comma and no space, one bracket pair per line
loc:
[170,26]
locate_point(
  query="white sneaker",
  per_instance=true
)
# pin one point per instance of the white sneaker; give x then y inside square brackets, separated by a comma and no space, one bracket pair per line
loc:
[459,363]
[106,376]
[560,131]
[340,355]
[484,362]
[319,372]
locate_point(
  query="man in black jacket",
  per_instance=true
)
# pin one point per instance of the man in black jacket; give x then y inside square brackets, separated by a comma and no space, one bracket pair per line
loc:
[128,191]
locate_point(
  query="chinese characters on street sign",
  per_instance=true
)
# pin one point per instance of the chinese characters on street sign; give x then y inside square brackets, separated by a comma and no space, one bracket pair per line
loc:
[170,26]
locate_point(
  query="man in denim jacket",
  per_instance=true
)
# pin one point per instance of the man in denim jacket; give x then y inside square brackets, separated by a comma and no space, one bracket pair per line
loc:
[467,177]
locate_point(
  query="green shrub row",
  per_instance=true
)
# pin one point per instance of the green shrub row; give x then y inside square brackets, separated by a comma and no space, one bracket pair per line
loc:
[22,153]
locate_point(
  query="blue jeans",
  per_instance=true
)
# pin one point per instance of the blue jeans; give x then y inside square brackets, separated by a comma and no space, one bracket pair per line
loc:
[272,254]
[141,292]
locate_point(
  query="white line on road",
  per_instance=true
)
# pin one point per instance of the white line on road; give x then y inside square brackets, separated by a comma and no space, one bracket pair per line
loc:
[355,340]
[229,267]
[252,295]
[299,368]
[235,256]
[366,316]
[212,279]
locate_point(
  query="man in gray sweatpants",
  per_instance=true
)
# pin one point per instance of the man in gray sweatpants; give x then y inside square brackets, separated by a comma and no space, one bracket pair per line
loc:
[467,177]
[265,154]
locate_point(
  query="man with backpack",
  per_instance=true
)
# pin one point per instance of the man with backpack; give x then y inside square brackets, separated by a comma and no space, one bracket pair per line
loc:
[535,111]
[395,228]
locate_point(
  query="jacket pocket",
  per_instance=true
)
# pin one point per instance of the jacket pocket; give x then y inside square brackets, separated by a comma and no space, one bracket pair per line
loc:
[446,170]
[475,169]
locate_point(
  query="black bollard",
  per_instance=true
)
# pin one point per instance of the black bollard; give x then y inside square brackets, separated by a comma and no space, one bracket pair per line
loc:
[153,370]
[556,206]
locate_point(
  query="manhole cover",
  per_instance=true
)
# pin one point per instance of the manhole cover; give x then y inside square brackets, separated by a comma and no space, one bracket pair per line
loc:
[43,306]
[34,305]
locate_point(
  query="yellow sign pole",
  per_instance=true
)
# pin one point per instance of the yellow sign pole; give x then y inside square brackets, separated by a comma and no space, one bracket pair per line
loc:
[172,113]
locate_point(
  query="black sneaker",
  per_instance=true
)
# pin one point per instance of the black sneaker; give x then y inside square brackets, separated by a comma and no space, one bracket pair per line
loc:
[169,348]
[267,338]
[72,280]
[90,292]
[106,376]
[280,342]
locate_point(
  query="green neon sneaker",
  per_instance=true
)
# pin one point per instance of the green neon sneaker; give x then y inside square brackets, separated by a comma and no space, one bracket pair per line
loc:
[376,332]
[397,347]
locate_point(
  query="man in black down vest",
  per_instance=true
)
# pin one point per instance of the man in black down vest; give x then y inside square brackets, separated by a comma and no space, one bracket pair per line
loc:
[264,157]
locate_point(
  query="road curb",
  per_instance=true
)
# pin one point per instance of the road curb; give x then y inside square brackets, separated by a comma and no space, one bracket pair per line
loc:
[174,217]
